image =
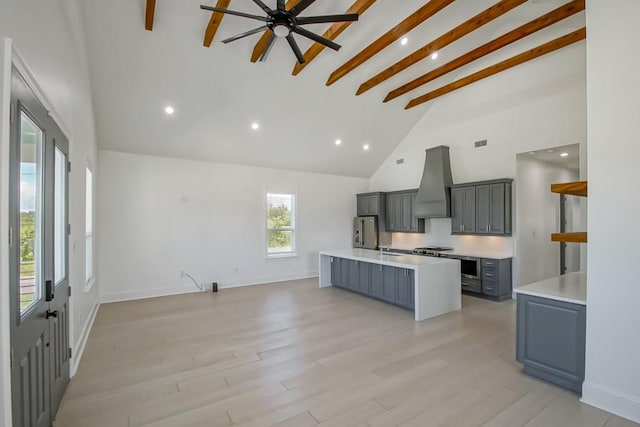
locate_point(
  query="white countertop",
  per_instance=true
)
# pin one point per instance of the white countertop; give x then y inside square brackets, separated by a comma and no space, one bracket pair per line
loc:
[480,254]
[394,260]
[570,287]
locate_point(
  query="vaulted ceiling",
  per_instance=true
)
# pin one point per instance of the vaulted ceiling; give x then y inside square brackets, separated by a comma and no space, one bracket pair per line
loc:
[217,92]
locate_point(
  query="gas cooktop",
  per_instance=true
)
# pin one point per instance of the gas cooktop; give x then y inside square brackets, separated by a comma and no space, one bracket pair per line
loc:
[431,250]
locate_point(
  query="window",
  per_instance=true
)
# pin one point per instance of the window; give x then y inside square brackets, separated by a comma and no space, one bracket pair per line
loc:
[89,227]
[281,224]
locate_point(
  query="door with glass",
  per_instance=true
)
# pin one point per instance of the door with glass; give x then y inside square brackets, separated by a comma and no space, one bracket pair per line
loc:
[38,259]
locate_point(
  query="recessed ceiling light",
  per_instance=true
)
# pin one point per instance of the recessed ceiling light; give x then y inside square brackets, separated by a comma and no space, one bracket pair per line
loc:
[338,141]
[169,110]
[404,41]
[565,154]
[434,55]
[365,147]
[255,126]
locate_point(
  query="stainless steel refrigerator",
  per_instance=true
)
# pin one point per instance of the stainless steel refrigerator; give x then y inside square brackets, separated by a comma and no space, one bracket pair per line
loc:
[365,232]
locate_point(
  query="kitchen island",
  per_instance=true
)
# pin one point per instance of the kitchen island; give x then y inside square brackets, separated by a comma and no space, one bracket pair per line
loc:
[428,286]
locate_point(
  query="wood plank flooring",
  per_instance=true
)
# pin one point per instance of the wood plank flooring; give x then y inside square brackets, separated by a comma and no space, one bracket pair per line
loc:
[293,355]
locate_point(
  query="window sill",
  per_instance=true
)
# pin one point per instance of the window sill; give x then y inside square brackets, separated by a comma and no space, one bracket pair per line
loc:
[278,256]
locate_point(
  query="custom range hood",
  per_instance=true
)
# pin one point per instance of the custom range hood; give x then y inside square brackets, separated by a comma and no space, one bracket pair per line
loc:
[434,194]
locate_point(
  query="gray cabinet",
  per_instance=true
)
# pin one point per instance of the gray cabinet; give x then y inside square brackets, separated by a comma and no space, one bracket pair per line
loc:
[399,212]
[405,288]
[551,340]
[496,278]
[463,210]
[390,284]
[370,204]
[482,208]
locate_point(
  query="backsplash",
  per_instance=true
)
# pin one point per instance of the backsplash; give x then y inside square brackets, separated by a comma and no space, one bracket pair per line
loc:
[438,232]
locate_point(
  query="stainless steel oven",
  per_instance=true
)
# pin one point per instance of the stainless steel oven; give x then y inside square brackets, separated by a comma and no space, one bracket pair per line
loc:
[469,266]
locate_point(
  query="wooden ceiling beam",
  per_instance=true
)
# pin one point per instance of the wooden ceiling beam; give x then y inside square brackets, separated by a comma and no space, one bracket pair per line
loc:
[264,40]
[214,23]
[359,7]
[525,30]
[149,15]
[409,23]
[472,24]
[541,50]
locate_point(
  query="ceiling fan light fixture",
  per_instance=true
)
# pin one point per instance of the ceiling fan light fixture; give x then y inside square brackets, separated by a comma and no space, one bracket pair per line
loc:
[281,30]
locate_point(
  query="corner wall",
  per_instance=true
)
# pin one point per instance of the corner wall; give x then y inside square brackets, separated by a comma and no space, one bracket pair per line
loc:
[613,313]
[161,216]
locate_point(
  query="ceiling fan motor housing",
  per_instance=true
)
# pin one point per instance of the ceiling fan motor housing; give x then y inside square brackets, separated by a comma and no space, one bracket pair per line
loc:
[281,23]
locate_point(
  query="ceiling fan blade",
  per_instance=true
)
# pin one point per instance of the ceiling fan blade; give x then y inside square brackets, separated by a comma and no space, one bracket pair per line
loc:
[303,20]
[295,11]
[233,12]
[316,38]
[245,34]
[267,48]
[295,48]
[281,6]
[263,6]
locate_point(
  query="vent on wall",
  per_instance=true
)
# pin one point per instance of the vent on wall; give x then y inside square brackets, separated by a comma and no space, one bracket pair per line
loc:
[478,144]
[399,161]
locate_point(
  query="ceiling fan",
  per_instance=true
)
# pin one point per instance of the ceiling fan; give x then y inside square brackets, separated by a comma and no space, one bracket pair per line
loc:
[283,23]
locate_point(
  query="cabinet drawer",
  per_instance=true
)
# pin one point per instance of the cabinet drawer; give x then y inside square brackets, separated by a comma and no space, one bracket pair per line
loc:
[490,288]
[470,285]
[489,275]
[489,262]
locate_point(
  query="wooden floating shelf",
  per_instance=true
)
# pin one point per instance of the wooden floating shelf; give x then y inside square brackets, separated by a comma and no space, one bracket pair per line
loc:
[578,188]
[579,237]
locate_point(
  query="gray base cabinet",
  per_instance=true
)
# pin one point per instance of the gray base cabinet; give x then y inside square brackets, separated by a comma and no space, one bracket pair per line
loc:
[551,340]
[390,284]
[496,280]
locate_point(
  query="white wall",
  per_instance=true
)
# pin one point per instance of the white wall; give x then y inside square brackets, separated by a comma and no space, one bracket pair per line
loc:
[538,215]
[613,314]
[159,216]
[536,105]
[46,36]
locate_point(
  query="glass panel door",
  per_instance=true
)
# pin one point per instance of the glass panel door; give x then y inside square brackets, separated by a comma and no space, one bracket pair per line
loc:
[31,225]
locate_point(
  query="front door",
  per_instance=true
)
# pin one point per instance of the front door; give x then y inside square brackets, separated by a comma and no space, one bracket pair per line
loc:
[39,252]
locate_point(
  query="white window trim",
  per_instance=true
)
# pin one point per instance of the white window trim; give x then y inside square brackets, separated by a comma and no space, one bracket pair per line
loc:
[296,226]
[90,281]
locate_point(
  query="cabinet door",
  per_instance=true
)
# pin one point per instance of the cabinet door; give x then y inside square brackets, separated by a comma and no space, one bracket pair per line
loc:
[393,212]
[344,272]
[354,275]
[405,288]
[483,208]
[363,205]
[405,212]
[335,272]
[415,222]
[469,211]
[373,203]
[364,277]
[389,283]
[496,209]
[376,289]
[457,208]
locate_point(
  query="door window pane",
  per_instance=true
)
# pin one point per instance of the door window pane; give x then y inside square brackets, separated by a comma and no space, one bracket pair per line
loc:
[31,137]
[60,217]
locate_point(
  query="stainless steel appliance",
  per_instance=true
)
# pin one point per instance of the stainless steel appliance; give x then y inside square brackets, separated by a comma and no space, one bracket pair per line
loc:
[469,266]
[365,232]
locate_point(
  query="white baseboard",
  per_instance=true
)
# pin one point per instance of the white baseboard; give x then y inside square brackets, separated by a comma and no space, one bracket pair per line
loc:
[144,293]
[177,290]
[602,397]
[79,347]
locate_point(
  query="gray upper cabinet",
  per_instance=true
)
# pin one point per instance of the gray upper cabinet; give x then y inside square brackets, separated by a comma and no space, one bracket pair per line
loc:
[399,212]
[370,204]
[463,210]
[482,208]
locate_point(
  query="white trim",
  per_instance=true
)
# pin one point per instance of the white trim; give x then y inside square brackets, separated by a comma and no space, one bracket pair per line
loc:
[78,347]
[5,309]
[176,290]
[610,400]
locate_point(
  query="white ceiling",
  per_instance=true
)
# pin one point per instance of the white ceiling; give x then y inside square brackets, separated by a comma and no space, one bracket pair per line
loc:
[553,155]
[217,93]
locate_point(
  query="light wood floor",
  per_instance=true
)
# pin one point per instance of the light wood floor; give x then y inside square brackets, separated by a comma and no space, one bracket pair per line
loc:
[290,354]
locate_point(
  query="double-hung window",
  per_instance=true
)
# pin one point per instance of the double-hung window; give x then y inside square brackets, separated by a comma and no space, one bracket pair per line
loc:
[281,224]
